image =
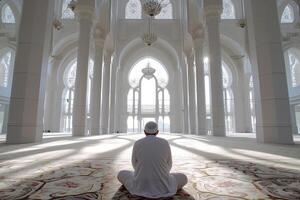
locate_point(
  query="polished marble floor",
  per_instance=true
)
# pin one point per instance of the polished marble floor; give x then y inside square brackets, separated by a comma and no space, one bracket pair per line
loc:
[63,167]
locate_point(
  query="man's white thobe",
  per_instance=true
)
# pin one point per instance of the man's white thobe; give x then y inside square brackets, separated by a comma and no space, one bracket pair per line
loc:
[152,162]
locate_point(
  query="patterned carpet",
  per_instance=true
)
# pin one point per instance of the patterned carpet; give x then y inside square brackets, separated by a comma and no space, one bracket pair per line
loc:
[96,179]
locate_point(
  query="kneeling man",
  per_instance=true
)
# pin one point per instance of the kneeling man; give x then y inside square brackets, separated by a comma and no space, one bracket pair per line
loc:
[152,162]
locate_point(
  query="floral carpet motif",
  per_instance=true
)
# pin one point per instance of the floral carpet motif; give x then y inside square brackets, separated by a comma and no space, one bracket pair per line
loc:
[96,179]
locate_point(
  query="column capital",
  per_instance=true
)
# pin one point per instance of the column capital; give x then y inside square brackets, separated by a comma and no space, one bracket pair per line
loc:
[213,11]
[84,11]
[212,5]
[198,33]
[99,36]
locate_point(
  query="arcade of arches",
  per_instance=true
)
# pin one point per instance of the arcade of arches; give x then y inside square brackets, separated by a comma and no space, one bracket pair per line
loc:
[206,88]
[225,68]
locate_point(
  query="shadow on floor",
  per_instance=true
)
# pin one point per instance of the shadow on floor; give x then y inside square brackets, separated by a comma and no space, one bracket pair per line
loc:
[122,193]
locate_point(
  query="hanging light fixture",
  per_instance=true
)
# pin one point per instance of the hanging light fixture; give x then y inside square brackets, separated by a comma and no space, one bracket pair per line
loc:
[57,24]
[150,37]
[153,7]
[242,21]
[148,71]
[72,5]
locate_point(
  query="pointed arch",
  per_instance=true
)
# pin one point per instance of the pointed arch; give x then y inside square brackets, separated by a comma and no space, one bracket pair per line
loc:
[148,97]
[7,15]
[288,15]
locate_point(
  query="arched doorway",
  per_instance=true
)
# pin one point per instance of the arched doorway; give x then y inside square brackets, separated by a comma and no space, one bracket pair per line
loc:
[148,98]
[228,98]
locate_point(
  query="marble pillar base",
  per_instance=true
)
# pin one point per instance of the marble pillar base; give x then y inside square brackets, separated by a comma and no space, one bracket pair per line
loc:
[78,131]
[219,132]
[273,134]
[22,135]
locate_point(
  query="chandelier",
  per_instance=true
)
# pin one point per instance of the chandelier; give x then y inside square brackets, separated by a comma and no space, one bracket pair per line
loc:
[72,5]
[57,24]
[153,7]
[148,71]
[149,38]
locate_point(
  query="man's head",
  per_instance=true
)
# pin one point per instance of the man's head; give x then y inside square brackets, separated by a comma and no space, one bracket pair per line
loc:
[151,128]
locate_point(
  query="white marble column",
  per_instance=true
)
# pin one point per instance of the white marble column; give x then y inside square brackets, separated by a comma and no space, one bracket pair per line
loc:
[201,105]
[51,121]
[192,97]
[121,103]
[212,9]
[185,103]
[95,105]
[105,94]
[273,123]
[112,100]
[26,110]
[246,94]
[84,11]
[175,108]
[240,98]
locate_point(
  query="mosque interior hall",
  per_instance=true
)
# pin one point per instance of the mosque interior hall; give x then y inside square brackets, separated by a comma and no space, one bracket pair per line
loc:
[79,79]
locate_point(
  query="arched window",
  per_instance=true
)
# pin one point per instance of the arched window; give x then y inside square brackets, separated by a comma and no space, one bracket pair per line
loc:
[228,98]
[228,10]
[5,65]
[133,10]
[69,78]
[252,104]
[294,68]
[207,86]
[288,15]
[66,13]
[160,72]
[167,11]
[148,98]
[7,15]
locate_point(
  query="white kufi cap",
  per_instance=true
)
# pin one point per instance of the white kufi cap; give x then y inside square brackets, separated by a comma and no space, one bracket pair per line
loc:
[151,128]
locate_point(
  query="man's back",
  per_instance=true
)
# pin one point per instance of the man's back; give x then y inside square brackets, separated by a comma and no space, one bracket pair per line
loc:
[152,162]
